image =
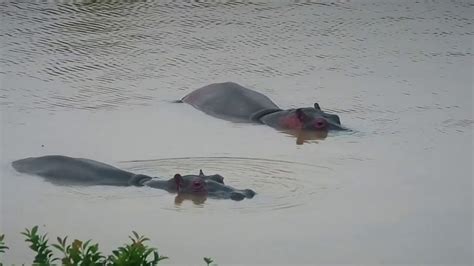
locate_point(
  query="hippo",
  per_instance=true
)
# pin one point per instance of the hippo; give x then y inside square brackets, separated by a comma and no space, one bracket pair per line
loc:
[60,169]
[233,102]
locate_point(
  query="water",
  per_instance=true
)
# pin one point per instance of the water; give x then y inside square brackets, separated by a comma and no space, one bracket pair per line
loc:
[95,79]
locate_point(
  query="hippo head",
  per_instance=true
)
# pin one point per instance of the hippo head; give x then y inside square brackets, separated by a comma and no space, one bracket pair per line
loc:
[203,186]
[313,119]
[307,119]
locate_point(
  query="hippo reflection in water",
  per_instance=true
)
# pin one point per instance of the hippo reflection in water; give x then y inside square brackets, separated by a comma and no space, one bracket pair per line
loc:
[232,102]
[78,171]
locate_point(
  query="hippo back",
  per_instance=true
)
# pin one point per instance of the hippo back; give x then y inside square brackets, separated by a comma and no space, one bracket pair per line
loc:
[73,171]
[229,101]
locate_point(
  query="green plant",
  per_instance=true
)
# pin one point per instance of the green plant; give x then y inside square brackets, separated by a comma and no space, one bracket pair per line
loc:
[208,260]
[79,253]
[84,253]
[2,244]
[39,244]
[136,253]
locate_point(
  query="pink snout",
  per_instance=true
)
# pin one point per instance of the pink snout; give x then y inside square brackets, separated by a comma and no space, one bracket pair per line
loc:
[198,185]
[320,123]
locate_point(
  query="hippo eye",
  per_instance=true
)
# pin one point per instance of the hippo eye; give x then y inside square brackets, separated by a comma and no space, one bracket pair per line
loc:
[197,183]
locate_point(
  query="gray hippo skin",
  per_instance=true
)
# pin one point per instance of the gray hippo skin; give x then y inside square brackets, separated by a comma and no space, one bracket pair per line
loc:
[232,102]
[78,171]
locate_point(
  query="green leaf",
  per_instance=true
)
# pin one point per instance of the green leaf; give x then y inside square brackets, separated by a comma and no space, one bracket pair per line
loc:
[86,243]
[208,260]
[135,234]
[60,248]
[34,230]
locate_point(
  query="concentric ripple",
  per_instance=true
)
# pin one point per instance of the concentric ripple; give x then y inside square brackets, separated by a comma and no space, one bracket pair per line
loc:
[279,184]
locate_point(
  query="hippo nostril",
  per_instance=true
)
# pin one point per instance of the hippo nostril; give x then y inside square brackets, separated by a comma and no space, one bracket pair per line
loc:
[237,196]
[197,185]
[320,123]
[249,193]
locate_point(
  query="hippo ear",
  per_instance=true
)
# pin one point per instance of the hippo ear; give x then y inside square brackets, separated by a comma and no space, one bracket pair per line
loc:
[178,179]
[201,173]
[301,115]
[316,106]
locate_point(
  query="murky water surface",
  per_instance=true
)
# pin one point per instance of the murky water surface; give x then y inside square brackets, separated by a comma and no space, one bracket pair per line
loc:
[95,79]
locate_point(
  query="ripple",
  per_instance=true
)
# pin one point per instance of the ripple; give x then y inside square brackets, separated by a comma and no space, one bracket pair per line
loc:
[105,44]
[279,184]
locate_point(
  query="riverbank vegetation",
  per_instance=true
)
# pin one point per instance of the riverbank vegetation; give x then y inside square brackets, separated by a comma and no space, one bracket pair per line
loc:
[78,252]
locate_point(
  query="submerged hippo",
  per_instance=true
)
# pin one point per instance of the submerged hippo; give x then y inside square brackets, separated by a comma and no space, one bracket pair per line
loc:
[66,170]
[232,102]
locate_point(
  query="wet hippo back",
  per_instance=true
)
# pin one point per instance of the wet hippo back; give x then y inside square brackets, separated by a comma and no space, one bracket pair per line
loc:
[229,101]
[73,171]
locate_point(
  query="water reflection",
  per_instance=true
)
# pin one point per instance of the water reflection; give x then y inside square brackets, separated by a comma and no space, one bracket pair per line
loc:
[196,199]
[305,136]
